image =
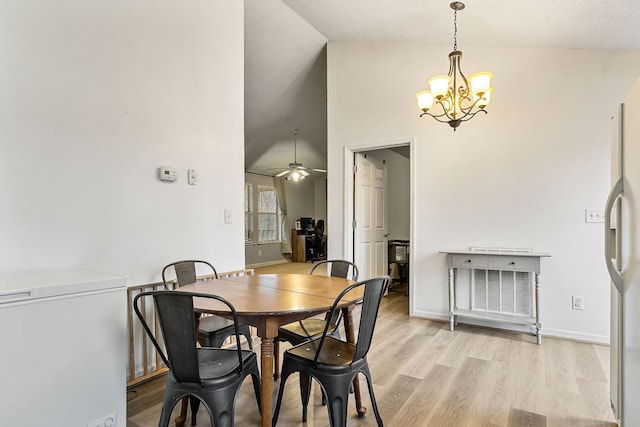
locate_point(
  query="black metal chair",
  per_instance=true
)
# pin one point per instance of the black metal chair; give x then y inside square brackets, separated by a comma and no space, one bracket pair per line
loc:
[335,363]
[212,330]
[317,242]
[304,330]
[206,374]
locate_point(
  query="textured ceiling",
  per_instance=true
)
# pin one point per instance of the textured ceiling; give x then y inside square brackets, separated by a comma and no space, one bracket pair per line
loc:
[593,24]
[285,57]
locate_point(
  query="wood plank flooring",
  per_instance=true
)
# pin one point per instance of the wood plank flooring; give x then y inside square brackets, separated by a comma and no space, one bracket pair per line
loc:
[425,375]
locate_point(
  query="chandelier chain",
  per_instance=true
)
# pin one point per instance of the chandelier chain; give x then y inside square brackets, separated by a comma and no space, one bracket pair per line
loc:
[455,30]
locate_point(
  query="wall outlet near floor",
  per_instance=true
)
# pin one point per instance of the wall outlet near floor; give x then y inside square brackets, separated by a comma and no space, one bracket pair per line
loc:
[577,302]
[109,420]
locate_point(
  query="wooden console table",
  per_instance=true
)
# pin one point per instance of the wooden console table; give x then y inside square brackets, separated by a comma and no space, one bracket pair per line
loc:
[509,294]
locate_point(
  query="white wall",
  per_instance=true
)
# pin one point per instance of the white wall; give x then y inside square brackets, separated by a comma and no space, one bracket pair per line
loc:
[520,176]
[320,201]
[300,200]
[96,96]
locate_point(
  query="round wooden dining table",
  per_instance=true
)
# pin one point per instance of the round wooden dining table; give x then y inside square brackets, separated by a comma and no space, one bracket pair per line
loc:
[268,301]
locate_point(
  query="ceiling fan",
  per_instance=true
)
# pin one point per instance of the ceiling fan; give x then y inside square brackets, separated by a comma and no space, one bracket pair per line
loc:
[295,171]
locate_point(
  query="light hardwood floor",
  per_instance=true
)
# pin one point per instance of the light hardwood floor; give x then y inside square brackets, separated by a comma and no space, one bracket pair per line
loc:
[425,375]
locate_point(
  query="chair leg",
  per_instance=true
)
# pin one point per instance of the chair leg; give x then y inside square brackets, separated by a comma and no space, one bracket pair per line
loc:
[195,405]
[367,374]
[276,359]
[337,390]
[255,376]
[169,401]
[220,406]
[283,380]
[182,418]
[246,331]
[305,392]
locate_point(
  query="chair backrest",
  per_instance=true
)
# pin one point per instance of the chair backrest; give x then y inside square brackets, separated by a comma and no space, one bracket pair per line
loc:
[185,271]
[338,268]
[178,327]
[374,290]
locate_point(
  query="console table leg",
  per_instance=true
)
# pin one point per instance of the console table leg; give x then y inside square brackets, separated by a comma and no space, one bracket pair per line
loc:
[538,323]
[452,298]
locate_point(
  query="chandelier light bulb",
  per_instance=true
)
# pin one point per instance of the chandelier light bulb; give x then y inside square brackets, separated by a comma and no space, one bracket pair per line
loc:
[295,175]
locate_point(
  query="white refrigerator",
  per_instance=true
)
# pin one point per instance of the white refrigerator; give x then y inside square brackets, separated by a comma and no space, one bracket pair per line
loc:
[63,346]
[622,257]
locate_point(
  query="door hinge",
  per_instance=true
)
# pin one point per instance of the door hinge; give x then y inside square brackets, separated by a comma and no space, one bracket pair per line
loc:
[355,168]
[354,223]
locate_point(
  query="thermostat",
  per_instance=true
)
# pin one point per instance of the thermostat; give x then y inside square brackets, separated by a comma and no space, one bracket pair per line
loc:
[167,173]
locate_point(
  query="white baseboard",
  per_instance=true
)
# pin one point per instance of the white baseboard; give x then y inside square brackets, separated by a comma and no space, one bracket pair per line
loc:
[430,315]
[268,263]
[577,336]
[555,333]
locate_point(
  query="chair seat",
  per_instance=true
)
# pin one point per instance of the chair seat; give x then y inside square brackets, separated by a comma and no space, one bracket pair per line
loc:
[216,363]
[305,329]
[214,330]
[213,323]
[334,352]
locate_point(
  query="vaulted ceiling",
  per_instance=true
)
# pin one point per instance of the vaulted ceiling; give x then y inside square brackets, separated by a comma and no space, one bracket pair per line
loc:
[285,56]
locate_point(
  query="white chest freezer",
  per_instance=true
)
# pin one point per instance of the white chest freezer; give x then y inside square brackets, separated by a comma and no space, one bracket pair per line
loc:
[63,340]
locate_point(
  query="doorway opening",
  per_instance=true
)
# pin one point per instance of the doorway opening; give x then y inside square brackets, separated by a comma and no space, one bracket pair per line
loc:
[378,210]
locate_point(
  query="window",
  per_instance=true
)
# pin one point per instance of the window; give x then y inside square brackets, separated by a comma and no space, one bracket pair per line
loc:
[262,216]
[268,215]
[248,212]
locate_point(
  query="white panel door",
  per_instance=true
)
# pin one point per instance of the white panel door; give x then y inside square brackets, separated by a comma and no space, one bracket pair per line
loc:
[370,210]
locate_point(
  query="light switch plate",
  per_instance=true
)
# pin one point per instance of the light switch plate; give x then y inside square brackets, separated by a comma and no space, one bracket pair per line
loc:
[593,215]
[227,216]
[192,176]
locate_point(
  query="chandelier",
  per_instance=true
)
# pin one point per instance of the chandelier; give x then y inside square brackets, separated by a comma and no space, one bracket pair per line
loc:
[459,98]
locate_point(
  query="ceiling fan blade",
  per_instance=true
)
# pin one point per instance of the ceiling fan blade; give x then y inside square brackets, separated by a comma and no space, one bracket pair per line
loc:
[303,172]
[282,173]
[277,169]
[319,170]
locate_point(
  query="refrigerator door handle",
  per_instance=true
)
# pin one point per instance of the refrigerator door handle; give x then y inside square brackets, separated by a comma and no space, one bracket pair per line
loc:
[616,276]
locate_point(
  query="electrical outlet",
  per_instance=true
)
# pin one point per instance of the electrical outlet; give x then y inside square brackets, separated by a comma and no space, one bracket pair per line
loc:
[109,420]
[577,302]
